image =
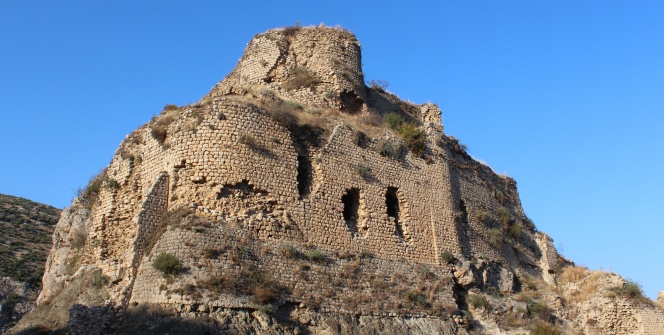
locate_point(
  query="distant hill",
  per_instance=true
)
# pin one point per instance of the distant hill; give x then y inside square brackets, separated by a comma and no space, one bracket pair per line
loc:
[26,228]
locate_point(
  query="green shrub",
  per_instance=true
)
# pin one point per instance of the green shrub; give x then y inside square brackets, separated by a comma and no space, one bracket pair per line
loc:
[72,264]
[493,291]
[447,257]
[457,146]
[292,105]
[539,310]
[251,281]
[500,196]
[99,280]
[359,138]
[167,264]
[158,132]
[414,138]
[171,107]
[364,172]
[364,254]
[290,31]
[380,85]
[460,216]
[477,301]
[483,216]
[266,309]
[112,184]
[495,237]
[529,224]
[89,195]
[283,116]
[175,216]
[158,129]
[504,216]
[212,253]
[389,149]
[288,251]
[631,290]
[415,297]
[515,230]
[315,255]
[393,120]
[248,140]
[542,328]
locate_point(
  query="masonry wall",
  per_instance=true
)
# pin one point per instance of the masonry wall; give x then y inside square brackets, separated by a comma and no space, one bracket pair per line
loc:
[206,157]
[482,190]
[376,286]
[150,218]
[212,158]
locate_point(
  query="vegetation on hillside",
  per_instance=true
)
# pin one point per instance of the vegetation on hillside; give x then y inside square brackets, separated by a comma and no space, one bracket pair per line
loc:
[26,228]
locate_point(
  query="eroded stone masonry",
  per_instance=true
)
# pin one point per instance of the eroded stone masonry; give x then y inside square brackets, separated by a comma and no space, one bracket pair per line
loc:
[333,206]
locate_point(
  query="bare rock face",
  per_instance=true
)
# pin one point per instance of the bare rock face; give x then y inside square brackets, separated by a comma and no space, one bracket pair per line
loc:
[70,235]
[466,274]
[16,299]
[281,204]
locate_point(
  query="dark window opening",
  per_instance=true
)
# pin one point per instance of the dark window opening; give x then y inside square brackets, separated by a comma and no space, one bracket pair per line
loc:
[392,203]
[351,102]
[303,175]
[464,211]
[351,201]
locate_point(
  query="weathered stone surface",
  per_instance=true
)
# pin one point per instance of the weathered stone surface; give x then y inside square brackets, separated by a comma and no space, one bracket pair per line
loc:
[69,236]
[16,299]
[466,274]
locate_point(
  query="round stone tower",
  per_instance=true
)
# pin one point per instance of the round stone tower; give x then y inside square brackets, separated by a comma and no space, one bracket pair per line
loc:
[317,66]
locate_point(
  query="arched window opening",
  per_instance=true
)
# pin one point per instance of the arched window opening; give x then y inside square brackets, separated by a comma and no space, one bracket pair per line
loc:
[351,201]
[392,204]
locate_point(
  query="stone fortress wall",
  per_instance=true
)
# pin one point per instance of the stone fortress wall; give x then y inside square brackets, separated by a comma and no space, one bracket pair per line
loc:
[203,160]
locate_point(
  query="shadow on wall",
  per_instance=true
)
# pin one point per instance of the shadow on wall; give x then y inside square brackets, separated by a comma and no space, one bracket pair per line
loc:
[39,330]
[140,320]
[152,320]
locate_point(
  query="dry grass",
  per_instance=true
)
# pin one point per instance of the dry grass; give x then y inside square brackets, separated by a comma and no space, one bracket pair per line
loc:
[587,287]
[513,319]
[253,282]
[533,284]
[159,128]
[299,77]
[572,274]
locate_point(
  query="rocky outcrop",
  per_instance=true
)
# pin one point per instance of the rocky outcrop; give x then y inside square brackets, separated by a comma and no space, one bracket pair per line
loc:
[16,299]
[69,238]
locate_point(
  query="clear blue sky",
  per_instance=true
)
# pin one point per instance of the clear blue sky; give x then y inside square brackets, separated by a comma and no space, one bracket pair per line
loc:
[566,97]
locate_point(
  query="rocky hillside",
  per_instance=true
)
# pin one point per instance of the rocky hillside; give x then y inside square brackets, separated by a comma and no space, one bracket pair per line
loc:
[295,199]
[26,228]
